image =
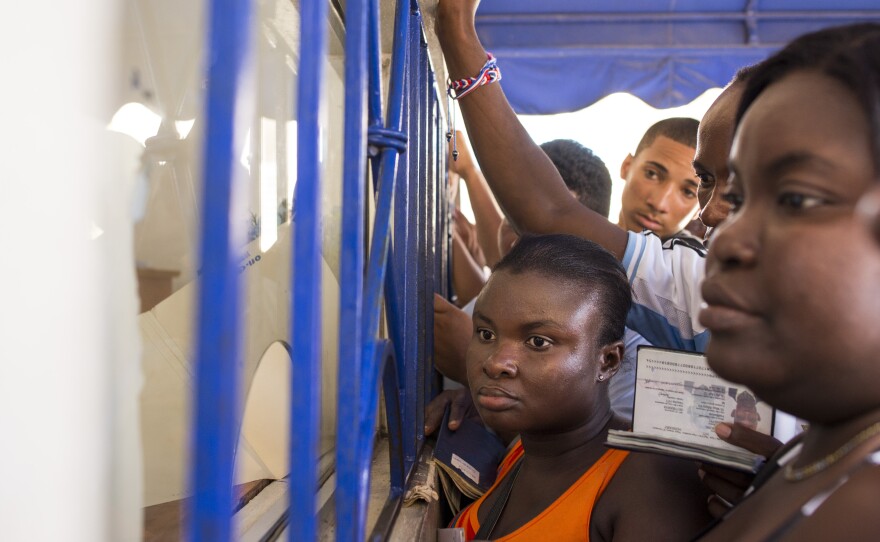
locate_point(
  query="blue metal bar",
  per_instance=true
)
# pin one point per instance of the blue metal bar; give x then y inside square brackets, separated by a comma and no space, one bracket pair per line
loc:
[398,268]
[382,351]
[379,246]
[374,62]
[218,343]
[394,306]
[429,236]
[395,435]
[374,42]
[384,523]
[408,226]
[422,358]
[430,225]
[350,524]
[396,295]
[383,137]
[305,321]
[394,309]
[386,365]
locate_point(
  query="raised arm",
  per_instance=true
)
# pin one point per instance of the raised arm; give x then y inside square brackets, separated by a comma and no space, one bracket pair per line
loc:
[467,275]
[486,212]
[523,179]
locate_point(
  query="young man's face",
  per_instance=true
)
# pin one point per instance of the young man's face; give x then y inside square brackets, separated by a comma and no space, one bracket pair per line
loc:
[661,189]
[714,138]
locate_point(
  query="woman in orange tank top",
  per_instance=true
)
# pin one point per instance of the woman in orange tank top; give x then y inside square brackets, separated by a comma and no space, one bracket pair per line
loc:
[547,331]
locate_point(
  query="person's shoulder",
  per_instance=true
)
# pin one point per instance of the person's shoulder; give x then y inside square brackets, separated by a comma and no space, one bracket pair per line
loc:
[851,512]
[685,240]
[648,246]
[647,477]
[659,468]
[653,496]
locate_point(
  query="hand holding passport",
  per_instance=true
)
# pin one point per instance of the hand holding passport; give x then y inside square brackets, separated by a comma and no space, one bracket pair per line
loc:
[467,460]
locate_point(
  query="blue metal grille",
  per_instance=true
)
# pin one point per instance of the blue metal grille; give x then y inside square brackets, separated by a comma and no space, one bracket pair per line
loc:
[218,342]
[398,270]
[305,321]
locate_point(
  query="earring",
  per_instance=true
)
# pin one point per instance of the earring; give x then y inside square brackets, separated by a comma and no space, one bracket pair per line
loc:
[601,378]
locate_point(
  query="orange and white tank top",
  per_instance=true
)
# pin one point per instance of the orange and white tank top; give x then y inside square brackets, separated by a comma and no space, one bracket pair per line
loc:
[567,518]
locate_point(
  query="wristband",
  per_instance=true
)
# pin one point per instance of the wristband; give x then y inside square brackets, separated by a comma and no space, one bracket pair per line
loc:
[489,74]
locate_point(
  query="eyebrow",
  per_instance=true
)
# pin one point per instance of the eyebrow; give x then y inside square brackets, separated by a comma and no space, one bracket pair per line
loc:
[482,317]
[540,323]
[789,161]
[659,166]
[665,172]
[527,326]
[797,159]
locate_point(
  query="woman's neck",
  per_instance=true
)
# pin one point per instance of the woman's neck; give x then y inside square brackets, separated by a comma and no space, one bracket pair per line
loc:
[561,447]
[823,439]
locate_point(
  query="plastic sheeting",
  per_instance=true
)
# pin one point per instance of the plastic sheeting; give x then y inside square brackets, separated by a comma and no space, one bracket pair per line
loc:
[563,55]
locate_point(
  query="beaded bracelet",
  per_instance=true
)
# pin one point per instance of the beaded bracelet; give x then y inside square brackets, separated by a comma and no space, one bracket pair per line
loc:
[459,88]
[490,73]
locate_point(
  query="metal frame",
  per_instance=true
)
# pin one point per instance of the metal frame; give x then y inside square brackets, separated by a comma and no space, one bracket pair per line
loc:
[218,344]
[305,320]
[406,265]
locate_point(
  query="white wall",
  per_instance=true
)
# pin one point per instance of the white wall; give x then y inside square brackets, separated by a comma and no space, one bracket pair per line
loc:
[69,366]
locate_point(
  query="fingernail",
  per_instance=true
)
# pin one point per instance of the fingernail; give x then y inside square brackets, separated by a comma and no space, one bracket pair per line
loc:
[723,430]
[701,473]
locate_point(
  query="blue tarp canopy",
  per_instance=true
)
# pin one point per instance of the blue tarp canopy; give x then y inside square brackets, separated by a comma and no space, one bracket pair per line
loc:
[563,55]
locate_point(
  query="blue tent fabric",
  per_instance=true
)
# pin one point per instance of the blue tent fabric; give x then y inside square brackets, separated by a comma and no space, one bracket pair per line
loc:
[564,55]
